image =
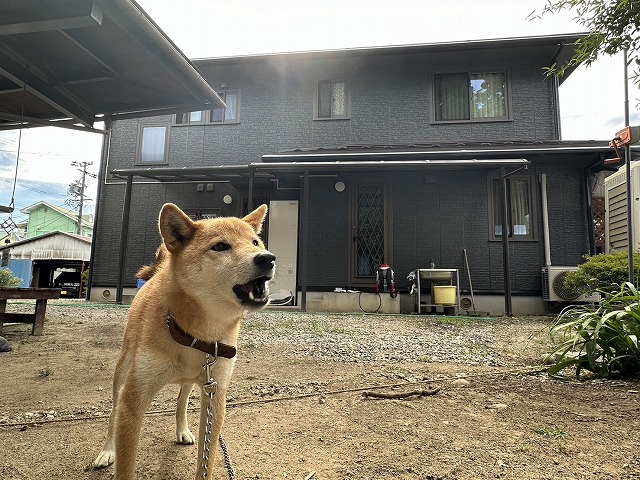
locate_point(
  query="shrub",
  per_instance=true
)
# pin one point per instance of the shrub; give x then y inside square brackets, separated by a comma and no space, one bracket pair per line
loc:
[604,341]
[603,272]
[7,279]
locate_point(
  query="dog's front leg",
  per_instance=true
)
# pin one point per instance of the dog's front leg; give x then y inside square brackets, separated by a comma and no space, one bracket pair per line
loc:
[135,398]
[108,453]
[183,434]
[218,407]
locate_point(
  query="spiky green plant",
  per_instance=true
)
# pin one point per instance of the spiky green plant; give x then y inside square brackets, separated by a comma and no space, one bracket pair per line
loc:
[603,341]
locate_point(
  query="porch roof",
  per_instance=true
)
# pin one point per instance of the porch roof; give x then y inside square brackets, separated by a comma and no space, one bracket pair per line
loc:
[75,62]
[271,170]
[387,157]
[498,149]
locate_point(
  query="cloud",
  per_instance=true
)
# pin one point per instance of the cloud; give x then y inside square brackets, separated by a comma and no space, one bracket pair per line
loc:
[618,120]
[29,192]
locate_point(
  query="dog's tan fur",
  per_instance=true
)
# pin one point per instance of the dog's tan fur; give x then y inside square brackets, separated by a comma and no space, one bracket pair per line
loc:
[192,280]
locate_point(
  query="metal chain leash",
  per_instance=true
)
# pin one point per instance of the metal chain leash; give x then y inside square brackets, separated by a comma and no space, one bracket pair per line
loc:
[210,388]
[227,459]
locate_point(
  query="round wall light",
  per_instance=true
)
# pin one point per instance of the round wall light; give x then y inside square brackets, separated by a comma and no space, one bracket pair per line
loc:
[227,199]
[339,186]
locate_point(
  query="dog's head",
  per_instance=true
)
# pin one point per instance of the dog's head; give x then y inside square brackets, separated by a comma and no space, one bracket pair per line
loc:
[221,259]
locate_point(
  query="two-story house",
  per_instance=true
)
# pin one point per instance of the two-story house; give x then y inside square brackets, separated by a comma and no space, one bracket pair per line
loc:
[443,154]
[47,218]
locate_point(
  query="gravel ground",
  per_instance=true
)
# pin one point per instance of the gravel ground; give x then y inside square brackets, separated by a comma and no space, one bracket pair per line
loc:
[387,338]
[297,409]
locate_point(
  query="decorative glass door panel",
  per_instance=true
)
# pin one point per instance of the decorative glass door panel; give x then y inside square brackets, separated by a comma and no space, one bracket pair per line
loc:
[369,230]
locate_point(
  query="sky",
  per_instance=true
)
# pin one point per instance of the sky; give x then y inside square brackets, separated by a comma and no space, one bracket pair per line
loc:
[591,99]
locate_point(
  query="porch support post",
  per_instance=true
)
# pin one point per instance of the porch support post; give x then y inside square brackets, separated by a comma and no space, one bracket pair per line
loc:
[304,242]
[627,159]
[124,236]
[505,245]
[250,193]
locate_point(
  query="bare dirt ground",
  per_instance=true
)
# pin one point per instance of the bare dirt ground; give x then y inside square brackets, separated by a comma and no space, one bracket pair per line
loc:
[297,409]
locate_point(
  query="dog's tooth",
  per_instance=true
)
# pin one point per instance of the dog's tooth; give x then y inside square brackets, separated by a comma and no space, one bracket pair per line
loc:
[251,296]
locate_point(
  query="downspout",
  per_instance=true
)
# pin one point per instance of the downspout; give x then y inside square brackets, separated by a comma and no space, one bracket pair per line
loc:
[545,220]
[556,94]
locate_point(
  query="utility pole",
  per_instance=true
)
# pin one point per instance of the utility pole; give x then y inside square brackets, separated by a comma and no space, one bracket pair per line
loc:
[84,166]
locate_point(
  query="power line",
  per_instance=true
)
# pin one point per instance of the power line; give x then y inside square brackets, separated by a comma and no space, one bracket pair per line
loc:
[51,194]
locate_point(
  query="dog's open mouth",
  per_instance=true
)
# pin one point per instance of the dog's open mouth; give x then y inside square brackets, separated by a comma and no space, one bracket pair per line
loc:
[253,293]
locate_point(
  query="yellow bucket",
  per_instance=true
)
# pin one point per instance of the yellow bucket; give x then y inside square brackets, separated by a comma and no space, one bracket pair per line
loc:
[444,294]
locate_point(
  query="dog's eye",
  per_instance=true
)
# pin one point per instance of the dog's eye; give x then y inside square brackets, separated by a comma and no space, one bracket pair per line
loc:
[219,247]
[256,243]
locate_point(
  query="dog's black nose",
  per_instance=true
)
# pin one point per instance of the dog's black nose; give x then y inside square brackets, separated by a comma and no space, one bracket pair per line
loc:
[265,260]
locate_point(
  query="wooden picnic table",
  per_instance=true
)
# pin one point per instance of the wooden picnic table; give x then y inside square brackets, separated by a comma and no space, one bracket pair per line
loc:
[40,295]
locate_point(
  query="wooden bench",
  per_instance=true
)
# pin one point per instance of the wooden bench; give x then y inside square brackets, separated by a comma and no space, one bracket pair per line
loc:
[40,295]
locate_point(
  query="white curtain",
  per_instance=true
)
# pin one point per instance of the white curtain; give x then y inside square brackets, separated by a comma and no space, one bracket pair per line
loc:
[488,95]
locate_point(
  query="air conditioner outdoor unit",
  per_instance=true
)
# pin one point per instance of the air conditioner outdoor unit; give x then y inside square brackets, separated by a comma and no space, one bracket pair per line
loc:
[554,289]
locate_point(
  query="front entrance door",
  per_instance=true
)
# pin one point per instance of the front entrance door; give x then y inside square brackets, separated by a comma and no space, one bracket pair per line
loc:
[370,238]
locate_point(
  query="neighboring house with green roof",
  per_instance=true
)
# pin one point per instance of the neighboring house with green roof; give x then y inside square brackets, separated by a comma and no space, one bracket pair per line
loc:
[46,218]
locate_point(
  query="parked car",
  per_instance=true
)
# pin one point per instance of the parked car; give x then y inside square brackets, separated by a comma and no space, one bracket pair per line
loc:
[69,283]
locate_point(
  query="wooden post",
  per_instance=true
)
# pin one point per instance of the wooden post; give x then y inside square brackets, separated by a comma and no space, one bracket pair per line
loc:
[38,321]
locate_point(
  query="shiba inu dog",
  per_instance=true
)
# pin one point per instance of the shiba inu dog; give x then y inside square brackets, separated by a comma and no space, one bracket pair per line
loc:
[207,274]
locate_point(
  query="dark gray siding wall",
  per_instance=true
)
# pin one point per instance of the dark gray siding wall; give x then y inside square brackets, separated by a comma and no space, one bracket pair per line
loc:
[144,238]
[329,240]
[390,103]
[439,220]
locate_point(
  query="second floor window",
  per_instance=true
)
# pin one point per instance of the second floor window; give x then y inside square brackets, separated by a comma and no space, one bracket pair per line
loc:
[189,117]
[152,144]
[216,114]
[229,114]
[332,99]
[470,96]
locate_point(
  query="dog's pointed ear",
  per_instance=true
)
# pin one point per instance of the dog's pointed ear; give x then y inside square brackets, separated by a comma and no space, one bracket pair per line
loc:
[256,218]
[176,227]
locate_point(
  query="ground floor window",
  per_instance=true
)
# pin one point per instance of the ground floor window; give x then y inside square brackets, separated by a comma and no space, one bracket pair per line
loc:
[520,207]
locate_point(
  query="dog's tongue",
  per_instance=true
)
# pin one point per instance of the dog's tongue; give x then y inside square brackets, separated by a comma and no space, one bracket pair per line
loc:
[247,287]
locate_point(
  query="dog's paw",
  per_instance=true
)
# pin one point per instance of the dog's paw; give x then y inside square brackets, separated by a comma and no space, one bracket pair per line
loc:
[104,459]
[186,437]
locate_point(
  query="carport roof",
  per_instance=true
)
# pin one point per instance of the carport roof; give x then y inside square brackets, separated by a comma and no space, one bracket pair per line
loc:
[75,62]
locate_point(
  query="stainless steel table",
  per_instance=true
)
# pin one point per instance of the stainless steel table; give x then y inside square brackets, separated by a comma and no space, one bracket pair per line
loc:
[436,277]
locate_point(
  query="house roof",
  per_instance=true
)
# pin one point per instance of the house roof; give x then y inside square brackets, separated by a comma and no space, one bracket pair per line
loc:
[76,62]
[63,211]
[554,48]
[80,238]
